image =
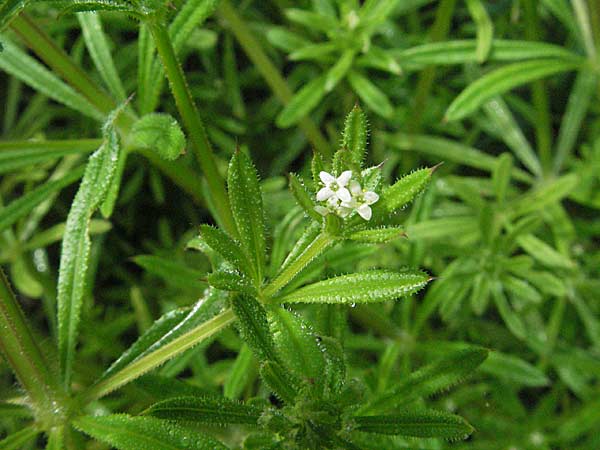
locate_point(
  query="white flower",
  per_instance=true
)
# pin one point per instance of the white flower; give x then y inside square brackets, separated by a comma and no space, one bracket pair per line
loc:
[334,187]
[361,200]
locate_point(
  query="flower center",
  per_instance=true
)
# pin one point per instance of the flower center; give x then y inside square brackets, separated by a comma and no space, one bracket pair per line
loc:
[334,186]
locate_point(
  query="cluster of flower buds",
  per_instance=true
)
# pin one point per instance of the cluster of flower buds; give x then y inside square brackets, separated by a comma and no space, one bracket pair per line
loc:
[343,195]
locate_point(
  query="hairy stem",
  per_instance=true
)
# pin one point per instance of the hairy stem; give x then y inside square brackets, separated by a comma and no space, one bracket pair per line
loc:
[194,126]
[25,358]
[267,69]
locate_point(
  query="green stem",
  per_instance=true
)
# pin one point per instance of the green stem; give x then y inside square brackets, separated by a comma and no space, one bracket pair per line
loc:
[25,358]
[267,69]
[543,130]
[315,248]
[148,362]
[194,126]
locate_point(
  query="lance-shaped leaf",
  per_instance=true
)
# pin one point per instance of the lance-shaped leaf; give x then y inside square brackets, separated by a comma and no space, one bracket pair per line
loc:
[417,424]
[441,374]
[254,326]
[161,133]
[296,343]
[229,249]
[126,432]
[247,208]
[75,251]
[370,94]
[303,102]
[19,439]
[17,209]
[545,194]
[303,197]
[363,287]
[502,80]
[9,9]
[405,189]
[231,281]
[334,377]
[339,69]
[354,137]
[205,410]
[515,370]
[283,383]
[377,235]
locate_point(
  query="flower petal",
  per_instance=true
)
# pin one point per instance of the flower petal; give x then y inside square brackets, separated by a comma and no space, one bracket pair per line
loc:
[344,194]
[343,211]
[324,194]
[321,210]
[355,188]
[365,211]
[343,179]
[326,178]
[370,197]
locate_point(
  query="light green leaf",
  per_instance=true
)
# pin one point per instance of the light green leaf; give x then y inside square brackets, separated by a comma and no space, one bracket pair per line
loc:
[161,133]
[98,47]
[417,424]
[339,70]
[303,102]
[19,64]
[501,177]
[312,20]
[126,432]
[377,235]
[510,318]
[283,384]
[405,189]
[285,40]
[241,375]
[229,249]
[245,198]
[362,287]
[370,94]
[354,137]
[19,439]
[502,80]
[485,29]
[22,206]
[513,369]
[544,253]
[205,410]
[545,195]
[303,197]
[254,326]
[231,281]
[174,273]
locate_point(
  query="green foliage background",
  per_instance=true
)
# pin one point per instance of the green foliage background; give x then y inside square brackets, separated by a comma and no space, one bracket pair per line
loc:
[125,198]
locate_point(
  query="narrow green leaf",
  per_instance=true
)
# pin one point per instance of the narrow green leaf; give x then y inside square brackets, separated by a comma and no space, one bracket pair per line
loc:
[449,150]
[76,244]
[510,318]
[229,249]
[19,154]
[302,103]
[231,281]
[441,374]
[174,273]
[22,206]
[405,189]
[247,207]
[501,80]
[370,94]
[334,377]
[19,64]
[9,9]
[126,432]
[286,40]
[501,177]
[205,410]
[296,343]
[513,369]
[339,70]
[363,287]
[312,20]
[254,326]
[544,253]
[98,47]
[356,132]
[485,29]
[377,235]
[317,52]
[417,424]
[241,375]
[545,194]
[19,439]
[303,197]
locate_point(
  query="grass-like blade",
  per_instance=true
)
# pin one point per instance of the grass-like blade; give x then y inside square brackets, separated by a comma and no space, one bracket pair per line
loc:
[20,207]
[362,287]
[485,29]
[205,410]
[19,64]
[247,207]
[126,432]
[9,9]
[502,80]
[417,424]
[98,47]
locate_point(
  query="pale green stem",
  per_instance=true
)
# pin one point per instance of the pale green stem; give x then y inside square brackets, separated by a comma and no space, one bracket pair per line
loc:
[148,362]
[316,247]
